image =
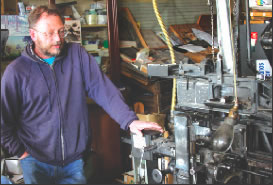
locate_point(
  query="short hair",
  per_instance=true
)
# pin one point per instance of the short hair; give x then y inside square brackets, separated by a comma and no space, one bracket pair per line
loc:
[35,14]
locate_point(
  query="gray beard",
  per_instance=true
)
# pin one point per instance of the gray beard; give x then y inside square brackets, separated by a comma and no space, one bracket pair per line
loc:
[50,54]
[46,52]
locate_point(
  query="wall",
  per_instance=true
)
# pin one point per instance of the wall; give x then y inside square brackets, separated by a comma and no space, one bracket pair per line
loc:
[172,11]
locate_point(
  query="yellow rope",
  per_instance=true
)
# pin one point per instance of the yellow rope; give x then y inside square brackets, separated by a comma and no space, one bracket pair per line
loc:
[159,19]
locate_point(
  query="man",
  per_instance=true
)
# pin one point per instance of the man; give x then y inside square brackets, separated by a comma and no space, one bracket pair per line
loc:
[44,117]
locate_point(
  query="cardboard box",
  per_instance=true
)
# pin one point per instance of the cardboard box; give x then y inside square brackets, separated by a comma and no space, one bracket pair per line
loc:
[155,117]
[129,177]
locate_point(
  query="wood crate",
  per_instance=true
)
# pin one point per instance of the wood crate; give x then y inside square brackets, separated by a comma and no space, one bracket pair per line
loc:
[204,21]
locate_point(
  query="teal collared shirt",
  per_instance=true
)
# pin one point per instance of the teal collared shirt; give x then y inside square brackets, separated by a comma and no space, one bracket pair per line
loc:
[50,61]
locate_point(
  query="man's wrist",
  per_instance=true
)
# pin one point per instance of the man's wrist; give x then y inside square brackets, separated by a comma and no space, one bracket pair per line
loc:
[130,123]
[25,154]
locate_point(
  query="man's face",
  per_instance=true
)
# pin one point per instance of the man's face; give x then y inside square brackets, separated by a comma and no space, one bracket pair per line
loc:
[47,35]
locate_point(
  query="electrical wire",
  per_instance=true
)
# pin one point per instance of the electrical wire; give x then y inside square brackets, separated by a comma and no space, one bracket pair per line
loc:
[163,28]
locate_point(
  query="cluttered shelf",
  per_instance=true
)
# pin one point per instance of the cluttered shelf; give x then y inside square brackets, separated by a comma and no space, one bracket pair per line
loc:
[93,25]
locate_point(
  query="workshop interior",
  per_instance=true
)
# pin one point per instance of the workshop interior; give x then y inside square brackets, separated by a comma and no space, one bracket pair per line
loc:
[202,69]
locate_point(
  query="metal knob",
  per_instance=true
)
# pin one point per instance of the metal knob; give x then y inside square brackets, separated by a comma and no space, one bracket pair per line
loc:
[157,175]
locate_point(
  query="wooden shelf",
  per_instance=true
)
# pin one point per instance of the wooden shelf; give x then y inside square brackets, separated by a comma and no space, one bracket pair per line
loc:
[93,25]
[93,51]
[97,51]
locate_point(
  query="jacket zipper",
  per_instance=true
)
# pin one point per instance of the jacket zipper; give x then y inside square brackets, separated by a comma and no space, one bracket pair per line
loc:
[60,110]
[59,104]
[58,99]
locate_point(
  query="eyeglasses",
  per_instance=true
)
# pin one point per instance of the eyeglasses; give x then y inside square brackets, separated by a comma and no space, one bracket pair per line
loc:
[62,33]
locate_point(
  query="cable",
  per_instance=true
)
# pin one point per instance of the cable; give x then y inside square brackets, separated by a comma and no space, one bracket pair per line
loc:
[159,19]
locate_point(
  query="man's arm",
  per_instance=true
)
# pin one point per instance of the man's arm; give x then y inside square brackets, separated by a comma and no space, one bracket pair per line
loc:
[101,89]
[10,106]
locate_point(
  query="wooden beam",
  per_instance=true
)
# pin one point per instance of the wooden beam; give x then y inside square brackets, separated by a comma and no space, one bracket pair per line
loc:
[2,7]
[136,28]
[51,4]
[113,39]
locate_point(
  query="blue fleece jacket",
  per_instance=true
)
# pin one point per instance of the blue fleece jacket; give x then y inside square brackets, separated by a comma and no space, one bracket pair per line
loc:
[44,109]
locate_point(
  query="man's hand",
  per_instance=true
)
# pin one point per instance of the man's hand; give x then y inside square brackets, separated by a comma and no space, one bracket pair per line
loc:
[137,126]
[24,155]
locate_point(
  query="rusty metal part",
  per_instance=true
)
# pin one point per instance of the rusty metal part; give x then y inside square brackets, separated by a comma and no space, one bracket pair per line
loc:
[260,164]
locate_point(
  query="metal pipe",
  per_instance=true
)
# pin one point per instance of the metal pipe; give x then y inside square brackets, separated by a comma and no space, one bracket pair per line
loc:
[236,11]
[254,173]
[182,153]
[248,39]
[225,35]
[267,143]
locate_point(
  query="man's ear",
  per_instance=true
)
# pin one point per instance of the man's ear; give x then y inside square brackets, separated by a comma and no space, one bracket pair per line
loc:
[33,34]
